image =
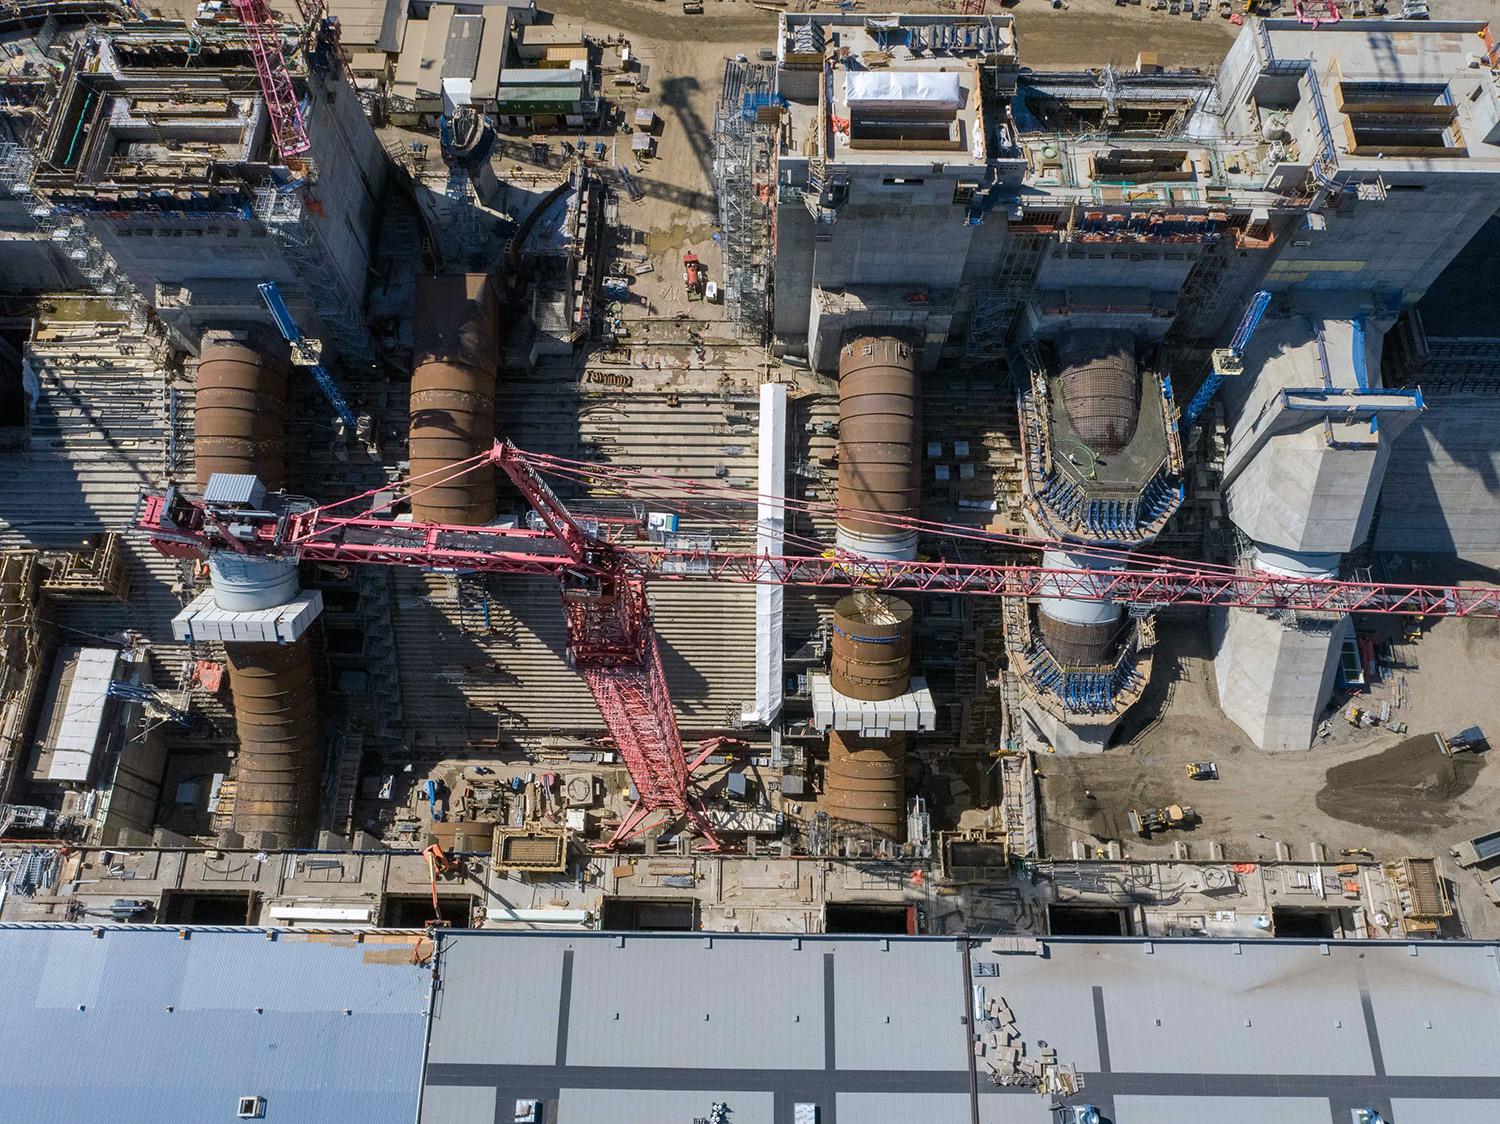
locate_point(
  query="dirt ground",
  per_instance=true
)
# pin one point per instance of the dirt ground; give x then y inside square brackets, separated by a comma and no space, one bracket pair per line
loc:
[1085,33]
[1356,788]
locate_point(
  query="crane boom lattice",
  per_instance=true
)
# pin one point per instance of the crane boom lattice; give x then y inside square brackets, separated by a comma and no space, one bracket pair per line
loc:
[603,572]
[288,129]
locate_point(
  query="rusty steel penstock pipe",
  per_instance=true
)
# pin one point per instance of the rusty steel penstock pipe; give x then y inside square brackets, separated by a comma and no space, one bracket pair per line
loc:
[276,715]
[239,417]
[456,359]
[880,460]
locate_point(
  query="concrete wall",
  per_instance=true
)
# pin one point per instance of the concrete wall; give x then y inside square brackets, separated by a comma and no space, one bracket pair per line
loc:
[30,262]
[795,244]
[897,234]
[1274,681]
[1086,737]
[1442,487]
[1398,244]
[351,174]
[1300,495]
[1129,266]
[153,249]
[219,258]
[896,238]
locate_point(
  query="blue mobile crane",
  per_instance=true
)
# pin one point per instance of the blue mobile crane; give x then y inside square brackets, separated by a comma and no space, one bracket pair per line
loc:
[306,353]
[1227,361]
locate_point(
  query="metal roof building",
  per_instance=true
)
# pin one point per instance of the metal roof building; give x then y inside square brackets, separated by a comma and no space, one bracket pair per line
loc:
[644,1029]
[141,1025]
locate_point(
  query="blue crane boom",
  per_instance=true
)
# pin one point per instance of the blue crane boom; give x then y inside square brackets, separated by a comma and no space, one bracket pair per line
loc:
[293,336]
[1227,361]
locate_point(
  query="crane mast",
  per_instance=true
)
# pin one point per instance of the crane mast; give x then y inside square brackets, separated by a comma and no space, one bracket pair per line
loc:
[288,129]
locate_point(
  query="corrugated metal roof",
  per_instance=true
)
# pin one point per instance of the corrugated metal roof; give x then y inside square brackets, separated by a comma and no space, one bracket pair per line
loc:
[461,50]
[513,96]
[640,1028]
[542,76]
[235,487]
[142,1025]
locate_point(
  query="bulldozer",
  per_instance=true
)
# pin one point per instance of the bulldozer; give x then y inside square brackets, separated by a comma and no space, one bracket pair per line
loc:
[1153,820]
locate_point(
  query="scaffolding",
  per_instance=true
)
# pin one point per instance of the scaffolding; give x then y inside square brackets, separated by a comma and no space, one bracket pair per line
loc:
[745,126]
[72,236]
[285,215]
[995,306]
[16,164]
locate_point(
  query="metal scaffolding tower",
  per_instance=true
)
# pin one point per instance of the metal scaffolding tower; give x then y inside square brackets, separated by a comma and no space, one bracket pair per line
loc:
[744,169]
[16,164]
[996,305]
[285,215]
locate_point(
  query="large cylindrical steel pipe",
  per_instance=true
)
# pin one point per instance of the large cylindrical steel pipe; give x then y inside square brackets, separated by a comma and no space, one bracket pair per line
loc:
[866,782]
[871,646]
[280,758]
[240,411]
[1101,389]
[1296,563]
[1077,632]
[879,446]
[457,357]
[243,583]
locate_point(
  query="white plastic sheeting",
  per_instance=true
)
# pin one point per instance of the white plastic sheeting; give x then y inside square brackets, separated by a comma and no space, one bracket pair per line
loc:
[929,89]
[770,536]
[79,731]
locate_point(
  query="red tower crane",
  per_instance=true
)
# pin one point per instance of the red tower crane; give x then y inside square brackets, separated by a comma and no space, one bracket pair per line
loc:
[603,573]
[288,130]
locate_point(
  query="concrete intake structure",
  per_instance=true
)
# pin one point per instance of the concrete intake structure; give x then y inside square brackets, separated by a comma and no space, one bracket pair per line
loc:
[276,716]
[879,446]
[1310,436]
[871,660]
[1103,469]
[240,413]
[456,359]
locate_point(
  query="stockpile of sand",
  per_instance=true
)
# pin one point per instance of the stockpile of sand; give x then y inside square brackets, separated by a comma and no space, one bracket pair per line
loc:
[1408,789]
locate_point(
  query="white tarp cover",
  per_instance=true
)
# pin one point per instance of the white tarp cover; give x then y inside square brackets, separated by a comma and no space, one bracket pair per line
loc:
[78,733]
[926,88]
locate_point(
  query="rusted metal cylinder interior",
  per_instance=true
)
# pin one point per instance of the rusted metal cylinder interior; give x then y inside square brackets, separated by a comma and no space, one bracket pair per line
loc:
[1079,643]
[1100,386]
[879,445]
[240,413]
[281,756]
[456,359]
[866,782]
[871,646]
